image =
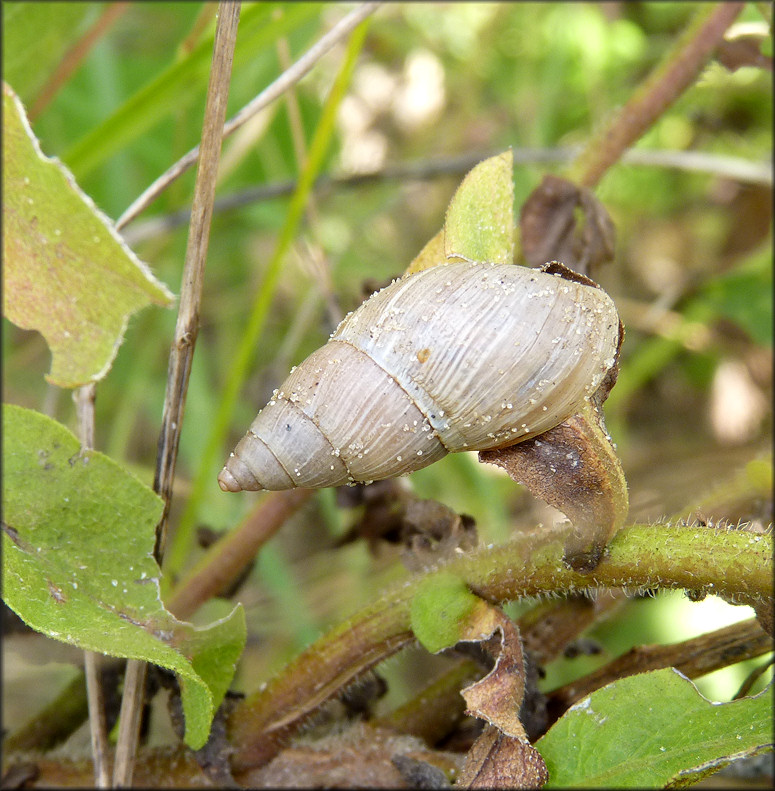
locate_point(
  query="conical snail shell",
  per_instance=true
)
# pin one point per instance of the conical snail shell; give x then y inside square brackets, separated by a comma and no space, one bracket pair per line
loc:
[458,357]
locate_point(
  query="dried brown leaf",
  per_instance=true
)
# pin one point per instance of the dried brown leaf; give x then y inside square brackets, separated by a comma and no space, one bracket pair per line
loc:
[361,757]
[500,761]
[502,756]
[498,696]
[743,51]
[549,224]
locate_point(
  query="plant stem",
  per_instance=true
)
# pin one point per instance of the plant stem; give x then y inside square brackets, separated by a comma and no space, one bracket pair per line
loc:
[229,556]
[693,658]
[665,84]
[181,353]
[736,564]
[187,326]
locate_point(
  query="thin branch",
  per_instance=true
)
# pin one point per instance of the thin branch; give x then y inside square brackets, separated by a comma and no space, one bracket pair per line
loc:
[75,56]
[84,398]
[694,658]
[753,677]
[181,353]
[129,723]
[267,96]
[735,168]
[665,84]
[228,557]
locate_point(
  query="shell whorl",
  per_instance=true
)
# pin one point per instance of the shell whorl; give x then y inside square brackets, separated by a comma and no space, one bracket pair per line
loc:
[458,357]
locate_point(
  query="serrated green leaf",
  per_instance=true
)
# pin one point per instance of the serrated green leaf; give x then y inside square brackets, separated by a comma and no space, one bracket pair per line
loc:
[440,611]
[651,729]
[183,81]
[78,565]
[66,273]
[35,38]
[480,223]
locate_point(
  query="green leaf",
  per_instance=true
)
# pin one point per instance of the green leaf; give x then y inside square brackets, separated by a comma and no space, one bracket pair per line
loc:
[441,610]
[480,223]
[35,38]
[67,273]
[744,296]
[78,565]
[650,730]
[183,82]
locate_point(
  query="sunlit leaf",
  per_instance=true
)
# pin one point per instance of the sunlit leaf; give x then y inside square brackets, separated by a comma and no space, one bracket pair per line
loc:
[78,565]
[480,222]
[66,273]
[651,730]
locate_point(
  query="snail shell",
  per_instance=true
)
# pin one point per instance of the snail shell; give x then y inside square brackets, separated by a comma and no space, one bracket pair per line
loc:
[462,356]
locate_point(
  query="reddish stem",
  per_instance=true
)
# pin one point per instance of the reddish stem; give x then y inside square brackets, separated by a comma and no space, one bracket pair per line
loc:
[665,84]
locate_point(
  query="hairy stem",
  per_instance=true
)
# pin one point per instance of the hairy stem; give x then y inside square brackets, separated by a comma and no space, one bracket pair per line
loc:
[736,564]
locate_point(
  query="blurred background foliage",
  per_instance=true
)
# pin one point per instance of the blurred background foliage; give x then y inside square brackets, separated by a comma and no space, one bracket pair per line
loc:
[434,82]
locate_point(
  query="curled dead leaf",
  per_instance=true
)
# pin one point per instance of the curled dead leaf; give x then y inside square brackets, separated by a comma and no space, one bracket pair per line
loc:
[502,756]
[549,224]
[499,761]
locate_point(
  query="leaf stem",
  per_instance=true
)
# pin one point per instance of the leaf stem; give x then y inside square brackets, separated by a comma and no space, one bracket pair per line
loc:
[182,350]
[736,564]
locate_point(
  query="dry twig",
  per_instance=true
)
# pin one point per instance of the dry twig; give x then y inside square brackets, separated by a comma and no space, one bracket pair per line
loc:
[695,657]
[181,353]
[664,85]
[84,399]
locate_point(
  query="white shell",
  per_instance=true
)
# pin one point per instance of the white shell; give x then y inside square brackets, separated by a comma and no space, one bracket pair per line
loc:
[458,357]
